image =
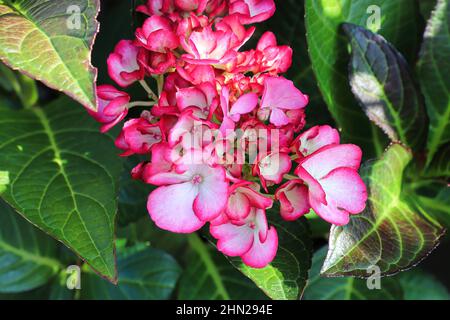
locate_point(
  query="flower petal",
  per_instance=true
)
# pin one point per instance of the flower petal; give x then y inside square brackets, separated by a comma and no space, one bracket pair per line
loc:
[322,162]
[234,241]
[346,188]
[171,208]
[261,254]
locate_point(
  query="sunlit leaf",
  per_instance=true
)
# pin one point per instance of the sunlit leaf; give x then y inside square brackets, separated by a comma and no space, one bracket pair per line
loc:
[384,86]
[63,177]
[51,41]
[389,234]
[348,288]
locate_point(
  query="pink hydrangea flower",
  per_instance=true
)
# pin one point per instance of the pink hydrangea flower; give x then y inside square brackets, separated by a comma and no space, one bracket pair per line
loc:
[242,199]
[335,189]
[156,63]
[220,124]
[112,106]
[209,47]
[190,196]
[280,95]
[156,7]
[157,34]
[272,167]
[293,197]
[251,239]
[203,97]
[138,136]
[123,65]
[244,105]
[252,11]
[315,138]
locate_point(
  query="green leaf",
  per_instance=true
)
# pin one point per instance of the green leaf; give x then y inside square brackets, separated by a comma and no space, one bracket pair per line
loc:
[434,74]
[27,256]
[144,274]
[419,285]
[4,180]
[440,166]
[285,278]
[51,41]
[434,200]
[426,7]
[19,85]
[384,86]
[63,177]
[389,234]
[321,288]
[209,276]
[328,53]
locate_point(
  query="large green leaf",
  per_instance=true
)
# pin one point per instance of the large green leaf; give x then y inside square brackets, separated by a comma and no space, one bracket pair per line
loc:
[144,274]
[63,177]
[418,285]
[285,278]
[27,256]
[328,52]
[51,41]
[434,74]
[384,86]
[347,288]
[209,276]
[389,233]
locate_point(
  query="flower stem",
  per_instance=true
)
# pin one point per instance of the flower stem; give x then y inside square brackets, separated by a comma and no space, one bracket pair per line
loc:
[160,83]
[290,177]
[147,88]
[141,104]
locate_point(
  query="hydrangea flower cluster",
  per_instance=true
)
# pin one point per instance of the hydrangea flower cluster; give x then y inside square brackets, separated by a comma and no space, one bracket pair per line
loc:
[224,131]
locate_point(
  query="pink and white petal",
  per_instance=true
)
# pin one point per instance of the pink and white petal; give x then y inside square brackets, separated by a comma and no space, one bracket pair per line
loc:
[278,117]
[159,40]
[325,160]
[294,201]
[282,93]
[256,199]
[213,194]
[268,39]
[245,104]
[238,207]
[314,187]
[346,188]
[261,224]
[227,127]
[317,138]
[171,208]
[233,240]
[190,97]
[275,166]
[221,219]
[167,178]
[262,254]
[329,212]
